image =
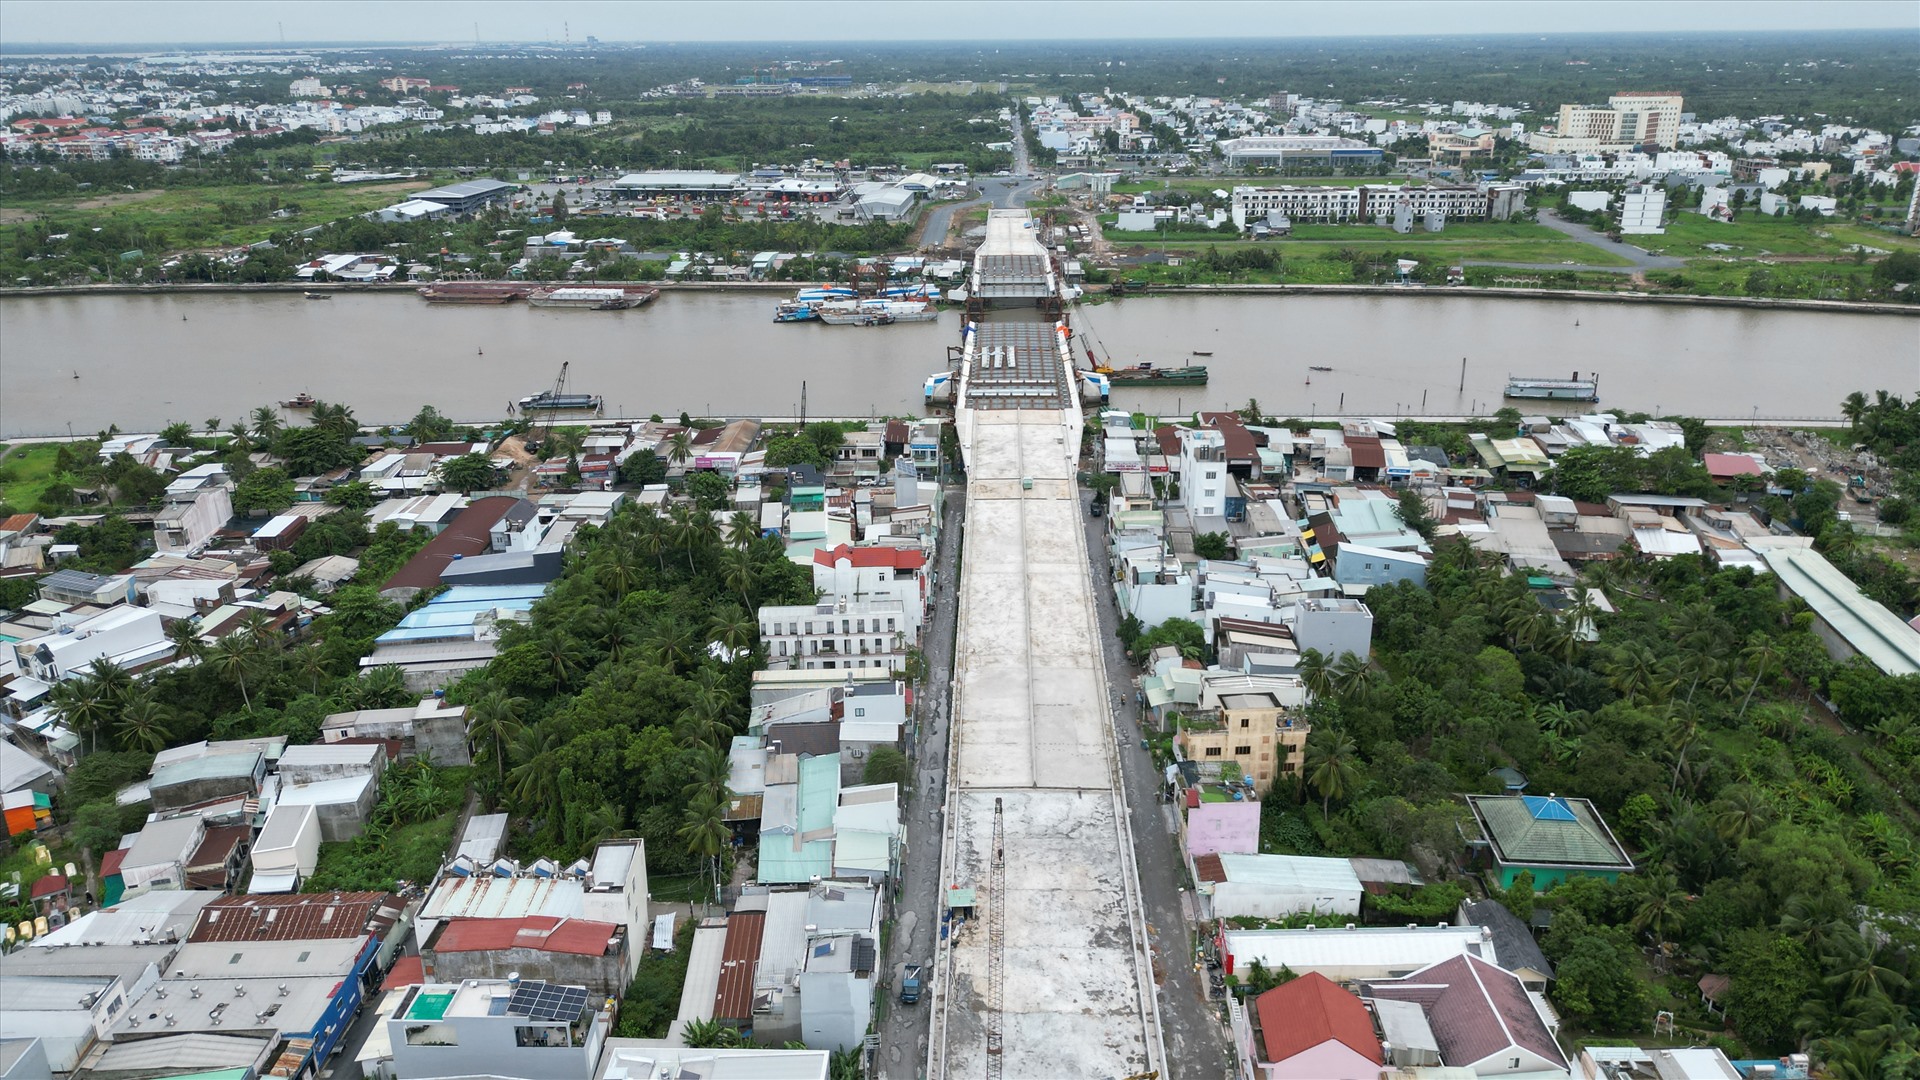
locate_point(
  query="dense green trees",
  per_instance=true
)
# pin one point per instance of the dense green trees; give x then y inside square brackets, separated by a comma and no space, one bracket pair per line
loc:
[606,713]
[1765,841]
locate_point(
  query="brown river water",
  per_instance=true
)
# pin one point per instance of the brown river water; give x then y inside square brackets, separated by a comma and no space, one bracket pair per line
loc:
[145,360]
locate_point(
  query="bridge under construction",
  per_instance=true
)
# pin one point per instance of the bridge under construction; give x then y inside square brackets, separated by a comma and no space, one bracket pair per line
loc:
[1044,968]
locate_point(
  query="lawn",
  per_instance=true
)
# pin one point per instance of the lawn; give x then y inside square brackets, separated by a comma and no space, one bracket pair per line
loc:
[215,216]
[1751,236]
[25,472]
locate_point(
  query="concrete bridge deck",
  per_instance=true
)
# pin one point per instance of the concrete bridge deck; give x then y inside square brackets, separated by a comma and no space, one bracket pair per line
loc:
[1033,728]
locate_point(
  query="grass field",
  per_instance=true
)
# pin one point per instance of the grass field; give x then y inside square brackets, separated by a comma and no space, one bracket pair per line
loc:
[25,472]
[1501,241]
[1752,236]
[210,216]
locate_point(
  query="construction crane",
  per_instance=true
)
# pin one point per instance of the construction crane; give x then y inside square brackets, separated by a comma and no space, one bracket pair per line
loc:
[996,940]
[543,432]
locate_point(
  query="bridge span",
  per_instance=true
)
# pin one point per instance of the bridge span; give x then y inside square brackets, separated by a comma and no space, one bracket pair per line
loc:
[1034,772]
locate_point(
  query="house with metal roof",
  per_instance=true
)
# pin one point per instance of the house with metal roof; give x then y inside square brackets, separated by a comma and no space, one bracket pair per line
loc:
[1552,836]
[582,952]
[1847,621]
[1275,886]
[1479,1017]
[468,196]
[1348,953]
[1513,943]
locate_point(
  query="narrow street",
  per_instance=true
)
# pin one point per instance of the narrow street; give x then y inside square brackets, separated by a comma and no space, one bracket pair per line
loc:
[903,1034]
[1196,1035]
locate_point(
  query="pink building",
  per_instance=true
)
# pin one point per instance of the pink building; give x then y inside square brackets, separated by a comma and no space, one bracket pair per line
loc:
[1216,827]
[1310,1029]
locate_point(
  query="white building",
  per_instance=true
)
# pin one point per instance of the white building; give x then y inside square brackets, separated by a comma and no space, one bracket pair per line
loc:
[899,574]
[188,522]
[498,1027]
[1203,472]
[307,87]
[1276,886]
[837,633]
[1629,119]
[1641,209]
[126,637]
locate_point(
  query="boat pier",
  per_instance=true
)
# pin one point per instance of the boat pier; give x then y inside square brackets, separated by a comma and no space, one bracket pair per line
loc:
[1043,966]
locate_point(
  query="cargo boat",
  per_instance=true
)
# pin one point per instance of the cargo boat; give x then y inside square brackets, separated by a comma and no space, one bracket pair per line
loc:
[795,311]
[474,292]
[548,401]
[875,312]
[1148,375]
[592,298]
[1569,389]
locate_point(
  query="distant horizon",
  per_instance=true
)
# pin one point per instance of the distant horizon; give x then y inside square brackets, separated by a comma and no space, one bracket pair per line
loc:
[83,48]
[141,25]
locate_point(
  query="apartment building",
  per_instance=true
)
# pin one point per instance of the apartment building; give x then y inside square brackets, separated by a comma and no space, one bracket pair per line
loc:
[1251,721]
[838,634]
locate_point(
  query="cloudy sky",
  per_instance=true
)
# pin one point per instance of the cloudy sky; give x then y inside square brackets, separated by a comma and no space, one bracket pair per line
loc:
[24,23]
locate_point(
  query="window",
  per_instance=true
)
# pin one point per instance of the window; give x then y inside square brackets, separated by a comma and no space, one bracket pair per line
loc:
[432,1035]
[1244,722]
[1242,751]
[859,712]
[1213,751]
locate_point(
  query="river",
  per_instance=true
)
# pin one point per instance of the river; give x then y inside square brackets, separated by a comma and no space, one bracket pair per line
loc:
[145,360]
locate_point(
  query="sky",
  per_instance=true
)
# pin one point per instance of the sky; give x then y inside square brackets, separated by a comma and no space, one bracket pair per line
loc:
[24,23]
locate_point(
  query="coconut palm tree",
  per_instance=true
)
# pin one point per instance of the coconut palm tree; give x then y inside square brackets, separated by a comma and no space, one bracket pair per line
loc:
[233,658]
[1660,904]
[650,538]
[1354,677]
[741,529]
[266,424]
[185,636]
[493,721]
[1316,670]
[702,726]
[732,629]
[1761,652]
[706,833]
[144,724]
[617,572]
[383,687]
[1743,813]
[738,572]
[1854,408]
[1332,766]
[710,772]
[673,645]
[680,447]
[82,705]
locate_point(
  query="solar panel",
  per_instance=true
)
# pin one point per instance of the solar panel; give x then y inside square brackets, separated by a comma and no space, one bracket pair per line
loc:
[547,1001]
[864,955]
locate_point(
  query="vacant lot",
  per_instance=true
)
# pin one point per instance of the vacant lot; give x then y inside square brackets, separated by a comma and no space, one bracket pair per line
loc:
[224,215]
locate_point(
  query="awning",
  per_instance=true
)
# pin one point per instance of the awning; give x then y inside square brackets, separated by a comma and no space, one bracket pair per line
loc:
[273,883]
[26,689]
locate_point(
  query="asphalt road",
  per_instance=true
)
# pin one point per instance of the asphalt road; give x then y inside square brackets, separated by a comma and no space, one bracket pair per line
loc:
[903,1035]
[1196,1038]
[1640,259]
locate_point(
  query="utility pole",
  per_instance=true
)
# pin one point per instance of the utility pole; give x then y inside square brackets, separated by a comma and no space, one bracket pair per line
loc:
[803,403]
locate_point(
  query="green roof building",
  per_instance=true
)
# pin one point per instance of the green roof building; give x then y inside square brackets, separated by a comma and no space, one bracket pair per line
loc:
[1554,837]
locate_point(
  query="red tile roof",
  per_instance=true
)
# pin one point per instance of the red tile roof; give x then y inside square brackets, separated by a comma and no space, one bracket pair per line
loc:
[110,862]
[19,523]
[1168,437]
[1299,1015]
[580,937]
[738,960]
[898,558]
[296,916]
[51,885]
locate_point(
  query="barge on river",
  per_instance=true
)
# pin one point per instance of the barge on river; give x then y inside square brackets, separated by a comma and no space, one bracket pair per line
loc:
[1148,375]
[1573,388]
[593,298]
[475,292]
[549,402]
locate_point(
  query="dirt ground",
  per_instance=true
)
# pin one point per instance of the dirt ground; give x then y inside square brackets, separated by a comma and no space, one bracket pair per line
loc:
[515,447]
[124,198]
[1821,458]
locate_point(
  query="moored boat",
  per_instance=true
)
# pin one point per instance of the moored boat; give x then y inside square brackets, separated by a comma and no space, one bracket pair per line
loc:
[1574,388]
[474,292]
[548,401]
[1148,375]
[875,312]
[318,296]
[298,401]
[590,298]
[795,311]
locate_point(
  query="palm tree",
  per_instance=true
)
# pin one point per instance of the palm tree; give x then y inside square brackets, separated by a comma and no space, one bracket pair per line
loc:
[706,833]
[650,538]
[1332,766]
[673,645]
[1743,813]
[710,774]
[617,572]
[1354,676]
[185,636]
[680,447]
[1854,408]
[1316,670]
[741,529]
[143,724]
[266,424]
[311,662]
[732,629]
[82,705]
[1661,904]
[493,721]
[383,687]
[1761,651]
[702,726]
[113,680]
[232,657]
[1634,671]
[533,782]
[738,571]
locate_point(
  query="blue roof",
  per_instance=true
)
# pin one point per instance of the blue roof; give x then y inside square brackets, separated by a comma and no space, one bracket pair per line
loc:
[1547,808]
